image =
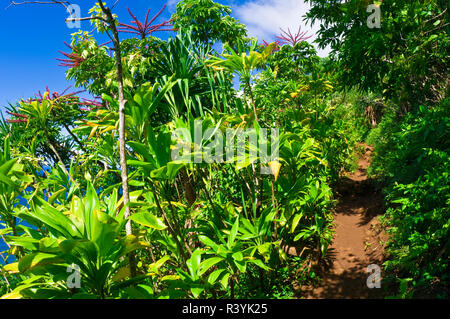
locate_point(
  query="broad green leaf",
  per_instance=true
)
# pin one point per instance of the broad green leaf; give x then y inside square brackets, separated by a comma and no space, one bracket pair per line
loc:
[295,221]
[55,195]
[36,259]
[130,243]
[259,263]
[208,242]
[233,233]
[214,275]
[154,267]
[238,256]
[196,291]
[224,280]
[193,263]
[121,274]
[173,168]
[12,268]
[149,220]
[23,241]
[208,263]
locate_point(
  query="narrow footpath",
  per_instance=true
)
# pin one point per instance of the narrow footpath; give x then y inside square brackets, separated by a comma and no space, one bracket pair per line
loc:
[358,240]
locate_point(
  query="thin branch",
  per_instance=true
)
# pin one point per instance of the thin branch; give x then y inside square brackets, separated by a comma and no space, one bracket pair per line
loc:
[3,239]
[86,19]
[114,4]
[65,4]
[437,28]
[436,16]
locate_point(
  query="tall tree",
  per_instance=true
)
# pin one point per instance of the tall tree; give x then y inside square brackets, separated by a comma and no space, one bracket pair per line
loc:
[406,58]
[106,22]
[210,21]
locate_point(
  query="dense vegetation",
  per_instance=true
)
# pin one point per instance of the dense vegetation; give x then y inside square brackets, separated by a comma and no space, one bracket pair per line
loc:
[92,186]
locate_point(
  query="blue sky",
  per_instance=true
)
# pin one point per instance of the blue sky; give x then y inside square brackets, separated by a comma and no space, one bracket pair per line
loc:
[31,35]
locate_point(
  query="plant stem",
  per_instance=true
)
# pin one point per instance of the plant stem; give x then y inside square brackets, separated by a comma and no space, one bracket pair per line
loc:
[76,139]
[63,166]
[170,228]
[122,151]
[252,99]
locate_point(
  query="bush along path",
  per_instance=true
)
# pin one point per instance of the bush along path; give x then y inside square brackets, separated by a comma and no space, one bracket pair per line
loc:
[358,240]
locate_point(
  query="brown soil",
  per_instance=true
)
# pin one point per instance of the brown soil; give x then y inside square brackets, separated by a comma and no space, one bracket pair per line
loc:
[358,240]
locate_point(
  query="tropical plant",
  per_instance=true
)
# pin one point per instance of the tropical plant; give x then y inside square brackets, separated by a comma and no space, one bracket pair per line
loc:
[85,236]
[211,21]
[136,192]
[243,65]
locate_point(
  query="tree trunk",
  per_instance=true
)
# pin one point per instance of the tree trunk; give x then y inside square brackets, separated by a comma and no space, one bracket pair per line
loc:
[122,150]
[189,190]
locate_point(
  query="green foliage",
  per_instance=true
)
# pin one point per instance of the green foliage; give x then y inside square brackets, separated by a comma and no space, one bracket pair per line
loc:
[405,59]
[413,157]
[86,235]
[402,146]
[219,229]
[240,62]
[211,21]
[95,63]
[293,62]
[420,218]
[39,123]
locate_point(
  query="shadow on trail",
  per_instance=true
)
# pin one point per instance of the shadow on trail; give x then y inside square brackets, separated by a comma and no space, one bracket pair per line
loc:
[356,244]
[360,197]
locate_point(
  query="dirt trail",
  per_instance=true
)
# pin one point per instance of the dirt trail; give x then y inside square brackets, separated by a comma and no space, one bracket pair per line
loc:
[356,242]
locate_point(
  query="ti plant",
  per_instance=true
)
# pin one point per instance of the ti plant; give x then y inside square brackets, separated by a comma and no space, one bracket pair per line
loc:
[243,64]
[85,236]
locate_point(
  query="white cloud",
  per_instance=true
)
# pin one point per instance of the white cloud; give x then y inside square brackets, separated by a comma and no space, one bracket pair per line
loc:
[172,5]
[264,18]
